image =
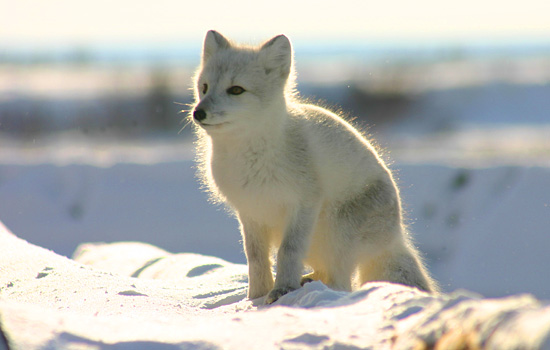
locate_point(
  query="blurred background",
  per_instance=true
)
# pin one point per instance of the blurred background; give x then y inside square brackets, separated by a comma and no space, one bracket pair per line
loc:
[119,69]
[93,144]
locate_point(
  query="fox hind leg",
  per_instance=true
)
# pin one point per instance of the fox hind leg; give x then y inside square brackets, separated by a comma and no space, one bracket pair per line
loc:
[332,263]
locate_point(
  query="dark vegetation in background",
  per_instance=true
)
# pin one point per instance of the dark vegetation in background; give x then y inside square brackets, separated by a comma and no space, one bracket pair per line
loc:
[380,101]
[117,115]
[158,110]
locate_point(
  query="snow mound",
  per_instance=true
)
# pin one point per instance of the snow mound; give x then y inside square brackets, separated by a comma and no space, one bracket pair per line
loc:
[135,296]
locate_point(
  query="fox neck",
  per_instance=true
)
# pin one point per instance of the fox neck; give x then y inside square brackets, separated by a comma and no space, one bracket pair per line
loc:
[269,130]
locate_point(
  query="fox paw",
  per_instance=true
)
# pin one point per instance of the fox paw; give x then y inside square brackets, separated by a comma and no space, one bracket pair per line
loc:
[276,293]
[310,277]
[305,280]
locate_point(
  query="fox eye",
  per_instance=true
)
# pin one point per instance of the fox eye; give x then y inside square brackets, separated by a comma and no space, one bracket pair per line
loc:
[235,90]
[204,88]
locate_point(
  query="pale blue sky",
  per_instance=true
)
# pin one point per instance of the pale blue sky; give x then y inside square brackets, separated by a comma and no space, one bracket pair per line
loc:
[82,22]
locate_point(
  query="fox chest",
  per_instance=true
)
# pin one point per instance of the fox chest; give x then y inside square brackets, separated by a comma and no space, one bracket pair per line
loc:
[259,187]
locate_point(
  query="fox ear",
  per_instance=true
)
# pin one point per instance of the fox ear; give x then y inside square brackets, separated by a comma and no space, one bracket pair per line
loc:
[213,42]
[276,55]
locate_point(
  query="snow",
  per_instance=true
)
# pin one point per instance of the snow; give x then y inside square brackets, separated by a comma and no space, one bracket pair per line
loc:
[189,301]
[74,203]
[484,229]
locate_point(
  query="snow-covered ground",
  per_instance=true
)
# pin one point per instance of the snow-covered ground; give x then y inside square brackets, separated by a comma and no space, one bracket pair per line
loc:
[190,301]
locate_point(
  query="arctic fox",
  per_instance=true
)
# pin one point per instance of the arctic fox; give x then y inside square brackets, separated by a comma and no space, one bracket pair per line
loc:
[299,178]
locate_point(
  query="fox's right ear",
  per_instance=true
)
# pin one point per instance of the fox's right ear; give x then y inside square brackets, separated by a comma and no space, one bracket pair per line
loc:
[213,42]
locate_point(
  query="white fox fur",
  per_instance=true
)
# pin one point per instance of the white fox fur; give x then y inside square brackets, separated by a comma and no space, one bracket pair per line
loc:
[299,178]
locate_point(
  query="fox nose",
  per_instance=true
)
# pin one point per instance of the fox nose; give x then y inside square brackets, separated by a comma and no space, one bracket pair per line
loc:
[199,115]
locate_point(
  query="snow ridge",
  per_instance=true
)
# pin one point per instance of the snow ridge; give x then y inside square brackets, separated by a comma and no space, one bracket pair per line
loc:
[191,301]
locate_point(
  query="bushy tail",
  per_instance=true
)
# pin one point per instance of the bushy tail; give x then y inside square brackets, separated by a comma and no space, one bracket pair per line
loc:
[402,266]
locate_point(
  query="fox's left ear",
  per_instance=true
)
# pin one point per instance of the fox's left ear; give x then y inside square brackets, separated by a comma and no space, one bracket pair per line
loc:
[276,55]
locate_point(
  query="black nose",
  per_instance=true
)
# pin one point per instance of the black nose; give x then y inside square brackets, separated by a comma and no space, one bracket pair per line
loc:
[199,114]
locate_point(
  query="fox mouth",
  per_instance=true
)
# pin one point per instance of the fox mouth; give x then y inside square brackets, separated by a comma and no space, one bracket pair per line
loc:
[212,126]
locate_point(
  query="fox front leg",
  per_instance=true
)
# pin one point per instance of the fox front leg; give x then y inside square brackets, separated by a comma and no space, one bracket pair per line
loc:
[256,247]
[291,254]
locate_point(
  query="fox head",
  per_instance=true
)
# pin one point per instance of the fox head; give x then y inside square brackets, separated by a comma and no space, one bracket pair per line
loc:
[239,87]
